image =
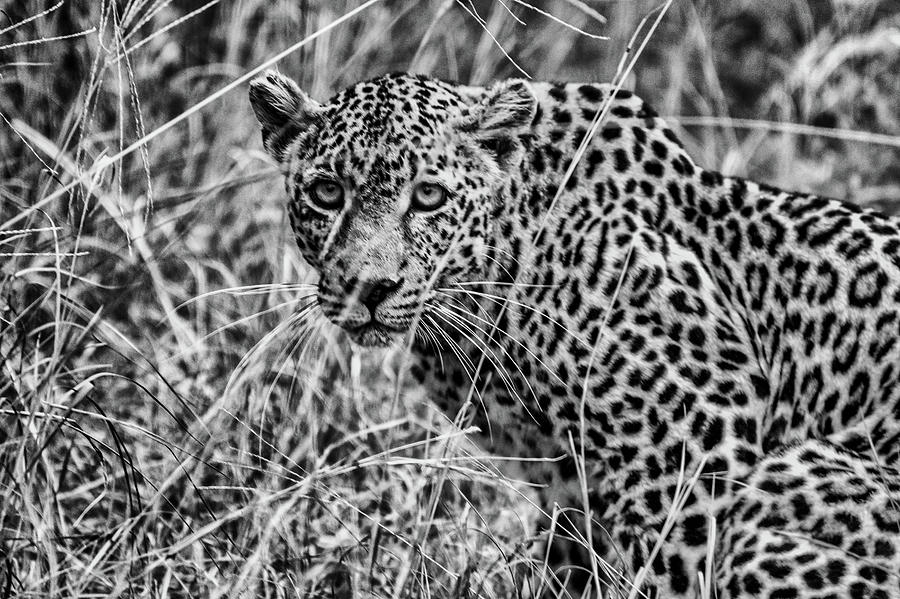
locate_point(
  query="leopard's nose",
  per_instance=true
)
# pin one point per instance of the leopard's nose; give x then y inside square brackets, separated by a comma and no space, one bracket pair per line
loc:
[374,291]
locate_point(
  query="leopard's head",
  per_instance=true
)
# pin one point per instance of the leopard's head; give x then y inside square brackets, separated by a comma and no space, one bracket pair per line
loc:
[393,187]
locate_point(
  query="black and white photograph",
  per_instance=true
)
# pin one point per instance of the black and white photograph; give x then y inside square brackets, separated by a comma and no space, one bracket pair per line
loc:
[450,299]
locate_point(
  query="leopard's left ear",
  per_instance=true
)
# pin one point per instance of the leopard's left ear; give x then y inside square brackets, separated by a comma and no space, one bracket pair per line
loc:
[506,111]
[283,109]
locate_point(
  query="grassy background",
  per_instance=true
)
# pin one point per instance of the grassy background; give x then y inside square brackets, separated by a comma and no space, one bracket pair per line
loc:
[155,438]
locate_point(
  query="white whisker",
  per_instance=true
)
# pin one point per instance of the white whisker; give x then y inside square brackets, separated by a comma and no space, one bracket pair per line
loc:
[472,328]
[498,299]
[253,316]
[455,347]
[468,367]
[450,317]
[242,290]
[507,284]
[295,319]
[517,342]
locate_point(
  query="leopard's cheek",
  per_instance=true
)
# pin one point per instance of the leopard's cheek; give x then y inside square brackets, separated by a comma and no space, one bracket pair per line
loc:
[311,232]
[452,245]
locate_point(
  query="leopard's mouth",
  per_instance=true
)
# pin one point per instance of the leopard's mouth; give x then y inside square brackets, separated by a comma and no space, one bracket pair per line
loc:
[374,334]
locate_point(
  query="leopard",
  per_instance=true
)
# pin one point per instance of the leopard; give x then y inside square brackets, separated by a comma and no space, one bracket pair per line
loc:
[705,367]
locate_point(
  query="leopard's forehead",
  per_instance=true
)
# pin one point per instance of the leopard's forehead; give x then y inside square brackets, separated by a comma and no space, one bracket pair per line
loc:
[392,110]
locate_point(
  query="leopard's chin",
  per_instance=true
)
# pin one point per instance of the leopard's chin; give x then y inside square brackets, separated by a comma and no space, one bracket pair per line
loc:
[374,334]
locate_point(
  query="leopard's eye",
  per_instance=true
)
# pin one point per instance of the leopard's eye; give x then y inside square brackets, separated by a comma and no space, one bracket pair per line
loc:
[327,194]
[428,196]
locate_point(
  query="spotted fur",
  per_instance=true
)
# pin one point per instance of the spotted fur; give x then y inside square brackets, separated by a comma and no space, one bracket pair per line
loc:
[689,320]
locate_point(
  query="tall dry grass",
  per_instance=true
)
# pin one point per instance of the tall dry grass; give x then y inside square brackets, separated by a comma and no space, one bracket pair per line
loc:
[166,428]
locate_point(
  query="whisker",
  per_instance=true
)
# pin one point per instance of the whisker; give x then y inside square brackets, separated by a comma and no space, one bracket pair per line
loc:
[470,326]
[242,290]
[244,362]
[498,299]
[313,332]
[303,334]
[456,322]
[451,300]
[302,339]
[517,342]
[455,347]
[467,364]
[503,267]
[484,348]
[503,251]
[507,284]
[249,317]
[476,371]
[429,337]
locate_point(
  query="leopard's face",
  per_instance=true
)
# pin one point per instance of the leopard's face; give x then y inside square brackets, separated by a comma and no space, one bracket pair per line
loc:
[392,185]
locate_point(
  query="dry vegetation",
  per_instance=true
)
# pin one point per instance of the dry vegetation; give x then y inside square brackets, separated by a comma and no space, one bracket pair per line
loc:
[166,426]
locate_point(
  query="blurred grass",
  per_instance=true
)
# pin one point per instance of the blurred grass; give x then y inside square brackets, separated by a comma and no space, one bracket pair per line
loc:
[128,463]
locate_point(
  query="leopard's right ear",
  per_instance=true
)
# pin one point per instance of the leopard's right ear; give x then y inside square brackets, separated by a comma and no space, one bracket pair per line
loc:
[506,110]
[283,109]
